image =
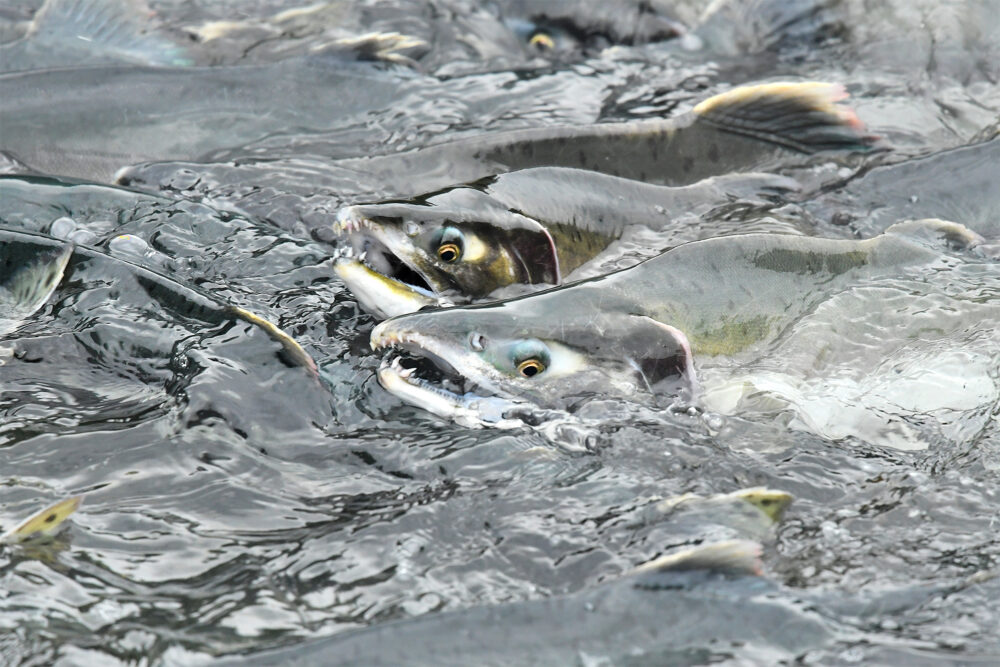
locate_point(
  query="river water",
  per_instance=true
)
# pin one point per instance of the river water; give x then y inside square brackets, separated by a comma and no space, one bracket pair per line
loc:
[236,503]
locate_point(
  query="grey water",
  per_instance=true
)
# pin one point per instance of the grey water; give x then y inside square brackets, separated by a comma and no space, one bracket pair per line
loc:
[236,503]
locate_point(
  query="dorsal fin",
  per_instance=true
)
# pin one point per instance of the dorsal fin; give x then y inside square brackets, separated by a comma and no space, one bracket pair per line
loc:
[44,522]
[803,116]
[122,29]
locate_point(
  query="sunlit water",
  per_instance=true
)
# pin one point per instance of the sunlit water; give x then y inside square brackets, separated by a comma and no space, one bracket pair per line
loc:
[236,503]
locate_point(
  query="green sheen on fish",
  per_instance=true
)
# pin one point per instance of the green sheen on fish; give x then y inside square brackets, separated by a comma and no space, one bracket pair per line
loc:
[740,310]
[522,230]
[540,225]
[743,129]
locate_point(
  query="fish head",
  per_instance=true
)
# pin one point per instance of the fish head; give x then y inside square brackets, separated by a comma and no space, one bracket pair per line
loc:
[458,253]
[538,358]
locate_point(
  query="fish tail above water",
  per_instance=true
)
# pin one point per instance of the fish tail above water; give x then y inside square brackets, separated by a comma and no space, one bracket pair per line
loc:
[802,116]
[45,522]
[117,28]
[27,288]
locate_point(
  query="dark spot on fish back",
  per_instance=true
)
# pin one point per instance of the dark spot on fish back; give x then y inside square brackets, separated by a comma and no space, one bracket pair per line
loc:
[713,153]
[688,163]
[50,518]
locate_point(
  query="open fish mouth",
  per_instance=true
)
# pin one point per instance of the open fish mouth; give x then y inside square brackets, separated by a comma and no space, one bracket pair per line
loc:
[363,243]
[415,374]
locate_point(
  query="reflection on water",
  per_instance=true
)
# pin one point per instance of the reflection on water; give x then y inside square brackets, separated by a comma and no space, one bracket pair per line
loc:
[235,504]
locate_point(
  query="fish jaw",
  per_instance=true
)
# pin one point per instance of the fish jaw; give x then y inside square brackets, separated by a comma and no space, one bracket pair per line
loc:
[382,251]
[381,295]
[469,410]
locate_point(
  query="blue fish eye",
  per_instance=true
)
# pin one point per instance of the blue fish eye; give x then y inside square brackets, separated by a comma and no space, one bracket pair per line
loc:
[530,358]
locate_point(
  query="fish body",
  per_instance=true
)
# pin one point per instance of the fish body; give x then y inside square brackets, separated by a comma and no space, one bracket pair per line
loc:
[737,304]
[668,611]
[88,122]
[543,225]
[65,33]
[740,130]
[45,261]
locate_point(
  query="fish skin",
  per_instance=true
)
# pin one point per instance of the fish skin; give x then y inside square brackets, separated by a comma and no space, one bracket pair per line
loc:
[24,291]
[17,244]
[63,121]
[539,227]
[66,33]
[744,129]
[663,613]
[635,334]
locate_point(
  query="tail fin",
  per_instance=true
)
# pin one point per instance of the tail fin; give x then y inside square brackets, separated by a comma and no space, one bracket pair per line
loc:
[740,557]
[801,116]
[29,287]
[44,522]
[119,28]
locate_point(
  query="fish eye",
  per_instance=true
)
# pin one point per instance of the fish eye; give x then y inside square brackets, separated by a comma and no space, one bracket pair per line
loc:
[450,243]
[530,367]
[530,358]
[542,41]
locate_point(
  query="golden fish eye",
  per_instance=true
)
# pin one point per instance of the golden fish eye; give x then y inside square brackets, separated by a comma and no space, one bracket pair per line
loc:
[542,41]
[449,252]
[530,367]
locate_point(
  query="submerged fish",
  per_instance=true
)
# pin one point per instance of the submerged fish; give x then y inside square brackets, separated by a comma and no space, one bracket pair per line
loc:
[703,605]
[526,229]
[89,122]
[758,315]
[65,33]
[31,266]
[42,523]
[743,129]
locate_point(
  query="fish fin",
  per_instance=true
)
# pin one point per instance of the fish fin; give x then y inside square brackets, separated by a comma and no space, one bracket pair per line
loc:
[45,522]
[741,557]
[30,287]
[936,233]
[771,502]
[296,354]
[122,29]
[660,353]
[801,116]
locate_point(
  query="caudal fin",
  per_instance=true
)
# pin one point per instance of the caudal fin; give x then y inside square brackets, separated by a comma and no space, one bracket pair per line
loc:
[805,117]
[44,522]
[117,29]
[29,287]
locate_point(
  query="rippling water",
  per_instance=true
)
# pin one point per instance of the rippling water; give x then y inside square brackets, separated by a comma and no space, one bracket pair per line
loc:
[237,503]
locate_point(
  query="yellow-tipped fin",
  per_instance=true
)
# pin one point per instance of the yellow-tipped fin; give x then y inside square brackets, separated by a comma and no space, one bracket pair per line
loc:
[803,116]
[45,522]
[296,353]
[771,502]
